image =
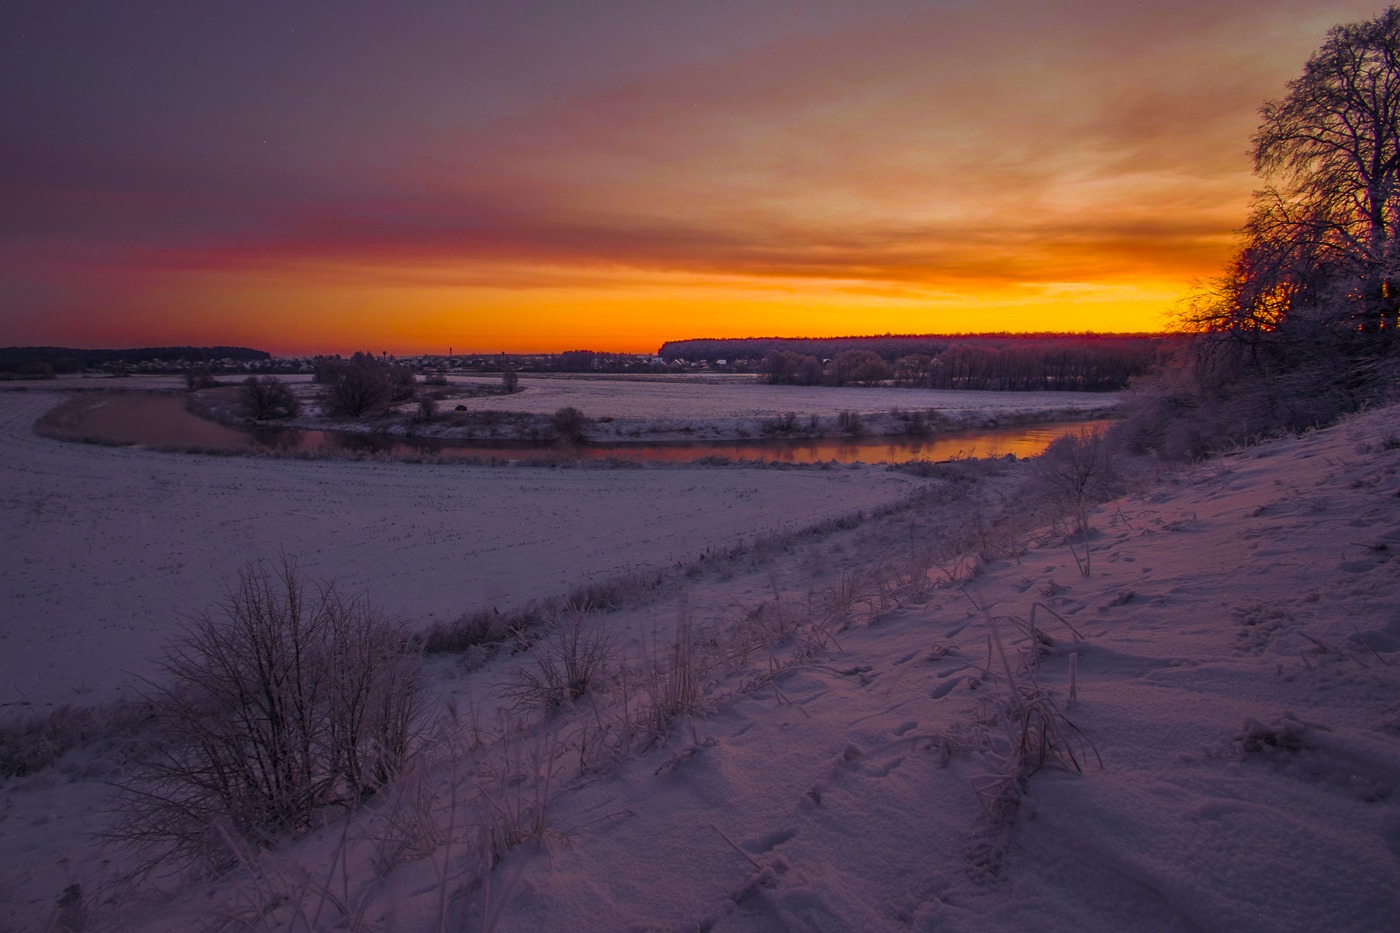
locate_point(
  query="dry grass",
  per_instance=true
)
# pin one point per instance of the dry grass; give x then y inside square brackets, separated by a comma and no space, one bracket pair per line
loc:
[566,666]
[1025,731]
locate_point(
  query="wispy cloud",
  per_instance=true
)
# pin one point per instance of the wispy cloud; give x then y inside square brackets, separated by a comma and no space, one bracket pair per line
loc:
[896,148]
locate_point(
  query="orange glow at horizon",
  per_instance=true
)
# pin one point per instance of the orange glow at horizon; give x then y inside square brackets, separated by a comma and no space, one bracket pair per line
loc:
[557,178]
[629,315]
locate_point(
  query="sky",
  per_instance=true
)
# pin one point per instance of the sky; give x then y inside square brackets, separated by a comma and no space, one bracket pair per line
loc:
[309,176]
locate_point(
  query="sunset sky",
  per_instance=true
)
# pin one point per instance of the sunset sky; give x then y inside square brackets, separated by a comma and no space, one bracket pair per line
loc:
[331,175]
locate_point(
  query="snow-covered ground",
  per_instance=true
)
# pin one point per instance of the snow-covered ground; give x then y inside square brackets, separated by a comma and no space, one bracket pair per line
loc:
[745,400]
[667,408]
[1227,678]
[106,548]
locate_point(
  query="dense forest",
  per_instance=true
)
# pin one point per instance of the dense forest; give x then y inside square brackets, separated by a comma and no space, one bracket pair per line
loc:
[1010,362]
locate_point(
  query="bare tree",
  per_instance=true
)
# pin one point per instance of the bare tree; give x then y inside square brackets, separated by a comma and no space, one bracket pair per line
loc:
[1300,327]
[402,386]
[1326,228]
[861,367]
[427,411]
[201,377]
[281,704]
[784,367]
[269,397]
[355,387]
[571,424]
[1076,470]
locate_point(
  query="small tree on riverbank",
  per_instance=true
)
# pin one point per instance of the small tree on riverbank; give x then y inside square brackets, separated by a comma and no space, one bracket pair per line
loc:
[356,386]
[269,398]
[570,424]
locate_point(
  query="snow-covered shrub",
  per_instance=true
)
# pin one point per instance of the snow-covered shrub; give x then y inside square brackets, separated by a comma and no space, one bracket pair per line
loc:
[481,628]
[276,706]
[1076,471]
[201,378]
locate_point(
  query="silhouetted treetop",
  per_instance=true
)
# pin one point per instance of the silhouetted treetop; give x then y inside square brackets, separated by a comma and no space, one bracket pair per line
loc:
[1323,238]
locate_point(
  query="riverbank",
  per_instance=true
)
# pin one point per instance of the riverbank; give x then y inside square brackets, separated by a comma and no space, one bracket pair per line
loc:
[162,421]
[106,547]
[1208,730]
[665,410]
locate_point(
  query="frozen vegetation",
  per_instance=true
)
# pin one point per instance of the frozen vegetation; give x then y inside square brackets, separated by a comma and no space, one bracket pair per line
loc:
[1068,694]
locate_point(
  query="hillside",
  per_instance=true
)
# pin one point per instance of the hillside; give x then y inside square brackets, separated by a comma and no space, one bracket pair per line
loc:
[1204,733]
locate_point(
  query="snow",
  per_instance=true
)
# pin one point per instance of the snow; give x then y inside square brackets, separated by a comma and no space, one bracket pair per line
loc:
[641,409]
[108,547]
[1233,660]
[743,398]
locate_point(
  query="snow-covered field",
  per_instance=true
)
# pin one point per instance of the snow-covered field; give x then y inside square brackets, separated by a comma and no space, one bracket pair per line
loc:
[739,407]
[667,408]
[744,400]
[107,547]
[1228,678]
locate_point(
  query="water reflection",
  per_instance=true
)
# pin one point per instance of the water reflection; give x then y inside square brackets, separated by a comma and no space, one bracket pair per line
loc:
[163,421]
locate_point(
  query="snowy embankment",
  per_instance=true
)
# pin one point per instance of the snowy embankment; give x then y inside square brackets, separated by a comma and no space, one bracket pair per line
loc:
[106,547]
[1237,717]
[867,752]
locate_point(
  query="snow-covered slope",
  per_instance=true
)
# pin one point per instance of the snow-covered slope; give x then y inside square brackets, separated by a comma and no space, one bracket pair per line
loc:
[1227,681]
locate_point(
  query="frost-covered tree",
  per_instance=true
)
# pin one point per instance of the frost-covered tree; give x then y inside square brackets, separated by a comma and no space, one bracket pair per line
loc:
[1323,239]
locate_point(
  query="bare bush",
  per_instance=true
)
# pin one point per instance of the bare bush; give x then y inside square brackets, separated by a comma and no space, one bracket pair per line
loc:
[1223,394]
[480,629]
[37,743]
[1076,470]
[566,667]
[570,424]
[785,424]
[269,710]
[426,411]
[269,398]
[201,378]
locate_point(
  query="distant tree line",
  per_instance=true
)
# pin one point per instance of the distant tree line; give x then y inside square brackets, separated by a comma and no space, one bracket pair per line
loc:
[1054,362]
[586,361]
[41,361]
